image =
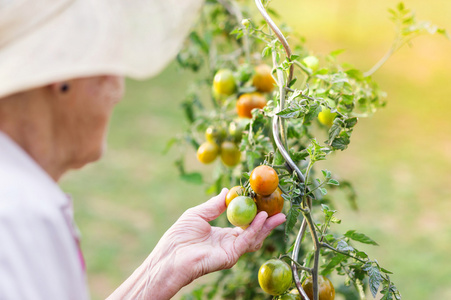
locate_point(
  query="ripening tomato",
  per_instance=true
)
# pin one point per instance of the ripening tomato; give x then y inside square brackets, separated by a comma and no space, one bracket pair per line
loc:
[272,204]
[233,193]
[215,134]
[207,152]
[326,117]
[247,102]
[263,80]
[264,180]
[224,83]
[275,277]
[325,287]
[241,211]
[230,154]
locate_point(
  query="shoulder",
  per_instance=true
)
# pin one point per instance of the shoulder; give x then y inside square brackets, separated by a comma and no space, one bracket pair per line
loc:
[38,248]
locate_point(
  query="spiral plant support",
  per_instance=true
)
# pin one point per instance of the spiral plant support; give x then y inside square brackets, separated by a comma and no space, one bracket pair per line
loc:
[278,129]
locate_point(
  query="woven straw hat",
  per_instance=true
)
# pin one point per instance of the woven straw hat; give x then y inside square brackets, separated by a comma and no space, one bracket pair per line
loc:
[44,41]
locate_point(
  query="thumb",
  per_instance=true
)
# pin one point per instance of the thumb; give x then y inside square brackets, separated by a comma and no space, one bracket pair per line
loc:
[211,209]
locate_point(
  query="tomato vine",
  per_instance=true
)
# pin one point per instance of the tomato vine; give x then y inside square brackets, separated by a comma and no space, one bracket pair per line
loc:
[314,98]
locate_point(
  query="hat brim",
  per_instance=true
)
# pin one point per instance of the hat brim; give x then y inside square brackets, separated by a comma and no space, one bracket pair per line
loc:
[135,38]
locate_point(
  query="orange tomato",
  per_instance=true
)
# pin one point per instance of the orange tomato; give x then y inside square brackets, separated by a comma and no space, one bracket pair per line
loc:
[263,80]
[247,102]
[264,180]
[272,204]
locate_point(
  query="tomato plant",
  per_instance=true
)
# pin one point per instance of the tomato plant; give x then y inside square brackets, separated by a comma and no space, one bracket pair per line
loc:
[283,108]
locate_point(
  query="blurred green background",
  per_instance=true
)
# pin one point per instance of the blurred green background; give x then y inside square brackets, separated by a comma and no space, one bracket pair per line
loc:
[399,160]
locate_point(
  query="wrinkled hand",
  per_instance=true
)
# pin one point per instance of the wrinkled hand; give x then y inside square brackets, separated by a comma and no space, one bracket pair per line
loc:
[200,248]
[192,248]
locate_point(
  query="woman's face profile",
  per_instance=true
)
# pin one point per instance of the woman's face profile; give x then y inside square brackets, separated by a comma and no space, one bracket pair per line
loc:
[84,112]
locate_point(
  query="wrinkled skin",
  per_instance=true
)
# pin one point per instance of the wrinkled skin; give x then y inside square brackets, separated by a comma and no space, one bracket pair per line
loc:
[192,248]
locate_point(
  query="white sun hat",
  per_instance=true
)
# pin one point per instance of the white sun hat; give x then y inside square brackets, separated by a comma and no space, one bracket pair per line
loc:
[45,41]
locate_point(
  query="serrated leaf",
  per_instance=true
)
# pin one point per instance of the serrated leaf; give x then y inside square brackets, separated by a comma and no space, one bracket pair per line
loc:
[298,156]
[335,261]
[375,278]
[360,237]
[343,246]
[290,112]
[362,254]
[292,218]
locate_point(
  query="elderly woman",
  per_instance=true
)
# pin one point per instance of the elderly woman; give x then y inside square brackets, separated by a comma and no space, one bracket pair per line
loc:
[61,64]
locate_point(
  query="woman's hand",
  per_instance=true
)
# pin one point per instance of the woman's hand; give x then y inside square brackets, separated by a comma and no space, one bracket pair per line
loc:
[192,248]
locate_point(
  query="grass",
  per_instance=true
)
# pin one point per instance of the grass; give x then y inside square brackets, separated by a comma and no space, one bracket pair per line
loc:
[399,160]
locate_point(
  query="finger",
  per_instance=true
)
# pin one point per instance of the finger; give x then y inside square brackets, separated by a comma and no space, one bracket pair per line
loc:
[211,209]
[269,225]
[245,242]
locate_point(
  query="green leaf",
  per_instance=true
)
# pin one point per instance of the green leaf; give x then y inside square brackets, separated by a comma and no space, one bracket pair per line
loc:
[298,156]
[290,112]
[292,218]
[333,182]
[360,237]
[323,191]
[375,278]
[326,173]
[169,145]
[351,122]
[194,177]
[343,246]
[335,261]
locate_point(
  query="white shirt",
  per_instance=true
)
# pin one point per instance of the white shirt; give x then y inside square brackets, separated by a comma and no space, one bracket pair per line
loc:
[39,253]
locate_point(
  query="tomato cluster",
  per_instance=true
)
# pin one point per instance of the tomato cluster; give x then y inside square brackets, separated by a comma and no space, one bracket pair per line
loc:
[223,143]
[224,85]
[264,193]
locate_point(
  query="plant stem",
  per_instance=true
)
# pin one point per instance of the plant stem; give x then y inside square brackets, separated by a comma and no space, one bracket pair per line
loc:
[231,7]
[295,255]
[317,248]
[379,63]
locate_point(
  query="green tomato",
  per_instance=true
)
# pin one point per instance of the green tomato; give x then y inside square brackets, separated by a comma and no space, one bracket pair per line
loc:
[326,117]
[275,276]
[312,62]
[224,83]
[241,211]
